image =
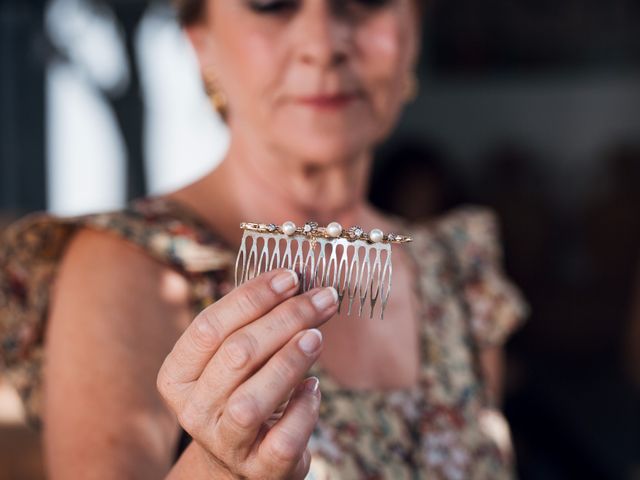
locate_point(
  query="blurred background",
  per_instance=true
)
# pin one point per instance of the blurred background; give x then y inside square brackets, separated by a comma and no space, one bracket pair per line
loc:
[530,107]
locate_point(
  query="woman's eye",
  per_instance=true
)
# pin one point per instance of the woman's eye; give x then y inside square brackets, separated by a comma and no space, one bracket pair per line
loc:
[361,7]
[274,6]
[372,3]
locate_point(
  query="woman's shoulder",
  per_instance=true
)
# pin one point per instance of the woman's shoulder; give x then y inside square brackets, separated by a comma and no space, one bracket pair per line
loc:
[468,238]
[462,230]
[161,228]
[99,261]
[148,240]
[469,219]
[146,236]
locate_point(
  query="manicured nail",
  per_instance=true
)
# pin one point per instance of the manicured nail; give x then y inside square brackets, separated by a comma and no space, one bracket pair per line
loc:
[285,281]
[310,341]
[311,384]
[325,298]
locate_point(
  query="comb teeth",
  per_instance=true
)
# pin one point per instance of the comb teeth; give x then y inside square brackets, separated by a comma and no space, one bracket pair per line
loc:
[359,271]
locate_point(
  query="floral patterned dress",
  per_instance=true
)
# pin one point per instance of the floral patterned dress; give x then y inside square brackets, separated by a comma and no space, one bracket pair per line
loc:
[443,428]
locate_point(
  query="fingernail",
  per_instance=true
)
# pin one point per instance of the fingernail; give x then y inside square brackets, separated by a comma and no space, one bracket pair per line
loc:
[284,281]
[325,298]
[311,384]
[310,341]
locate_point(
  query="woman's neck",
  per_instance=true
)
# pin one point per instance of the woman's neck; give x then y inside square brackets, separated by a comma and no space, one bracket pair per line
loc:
[262,185]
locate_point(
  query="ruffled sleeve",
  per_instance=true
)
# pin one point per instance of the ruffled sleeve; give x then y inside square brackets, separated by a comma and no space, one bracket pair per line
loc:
[496,307]
[32,248]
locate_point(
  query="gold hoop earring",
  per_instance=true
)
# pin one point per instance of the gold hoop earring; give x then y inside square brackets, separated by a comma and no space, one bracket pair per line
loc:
[411,87]
[216,95]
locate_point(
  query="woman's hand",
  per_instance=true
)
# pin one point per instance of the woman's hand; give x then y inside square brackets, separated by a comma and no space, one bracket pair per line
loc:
[239,361]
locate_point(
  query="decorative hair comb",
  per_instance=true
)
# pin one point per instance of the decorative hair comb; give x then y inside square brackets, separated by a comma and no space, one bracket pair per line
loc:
[356,263]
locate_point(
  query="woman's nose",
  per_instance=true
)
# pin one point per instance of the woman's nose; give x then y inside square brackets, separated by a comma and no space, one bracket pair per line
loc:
[323,38]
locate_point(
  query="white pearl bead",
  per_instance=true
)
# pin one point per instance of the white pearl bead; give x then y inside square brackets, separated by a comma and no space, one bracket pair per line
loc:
[334,229]
[376,235]
[289,228]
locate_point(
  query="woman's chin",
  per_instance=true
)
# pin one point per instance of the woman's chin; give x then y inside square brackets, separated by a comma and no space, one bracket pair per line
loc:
[326,153]
[325,148]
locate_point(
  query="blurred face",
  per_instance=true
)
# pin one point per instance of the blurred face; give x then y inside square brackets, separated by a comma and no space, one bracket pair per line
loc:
[319,79]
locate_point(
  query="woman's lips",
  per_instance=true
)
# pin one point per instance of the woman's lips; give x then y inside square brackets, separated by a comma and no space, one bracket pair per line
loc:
[328,102]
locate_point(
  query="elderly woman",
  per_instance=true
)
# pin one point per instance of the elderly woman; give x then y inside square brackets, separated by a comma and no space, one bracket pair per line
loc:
[123,334]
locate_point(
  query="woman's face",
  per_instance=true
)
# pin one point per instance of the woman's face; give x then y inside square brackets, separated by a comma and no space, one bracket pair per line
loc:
[319,79]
